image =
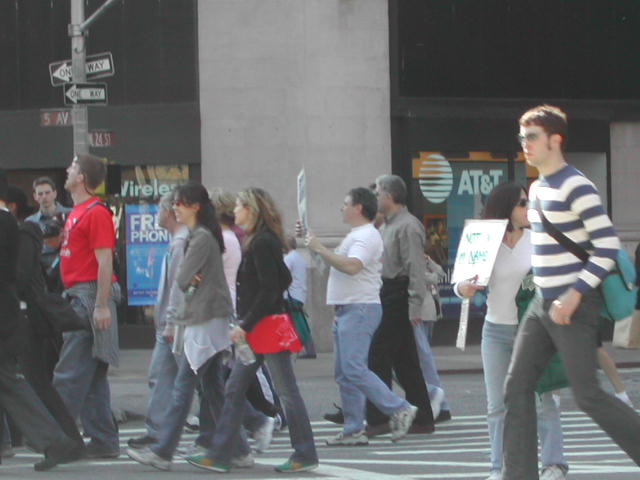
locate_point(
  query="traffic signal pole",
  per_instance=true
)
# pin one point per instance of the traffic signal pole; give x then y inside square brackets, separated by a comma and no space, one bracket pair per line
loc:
[77,31]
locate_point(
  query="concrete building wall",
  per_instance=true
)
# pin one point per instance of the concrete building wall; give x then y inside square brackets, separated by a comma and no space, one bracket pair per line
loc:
[625,181]
[291,84]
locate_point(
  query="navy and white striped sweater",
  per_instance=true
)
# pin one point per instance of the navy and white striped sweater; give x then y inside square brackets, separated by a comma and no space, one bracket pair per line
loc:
[571,202]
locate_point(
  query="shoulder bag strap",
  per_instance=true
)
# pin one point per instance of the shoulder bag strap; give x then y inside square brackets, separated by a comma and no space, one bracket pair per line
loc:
[561,238]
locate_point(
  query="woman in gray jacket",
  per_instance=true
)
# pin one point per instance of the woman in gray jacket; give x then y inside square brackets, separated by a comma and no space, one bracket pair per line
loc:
[201,337]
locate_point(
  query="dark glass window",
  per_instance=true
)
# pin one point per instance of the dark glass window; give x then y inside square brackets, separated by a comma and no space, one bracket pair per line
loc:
[154,45]
[571,49]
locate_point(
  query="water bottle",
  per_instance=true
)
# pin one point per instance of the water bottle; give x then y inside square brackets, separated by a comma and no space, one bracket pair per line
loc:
[243,352]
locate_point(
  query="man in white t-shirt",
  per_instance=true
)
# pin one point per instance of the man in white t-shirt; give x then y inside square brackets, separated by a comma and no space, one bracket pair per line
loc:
[354,290]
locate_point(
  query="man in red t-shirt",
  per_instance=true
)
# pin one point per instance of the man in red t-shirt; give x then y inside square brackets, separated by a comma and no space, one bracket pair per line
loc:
[86,267]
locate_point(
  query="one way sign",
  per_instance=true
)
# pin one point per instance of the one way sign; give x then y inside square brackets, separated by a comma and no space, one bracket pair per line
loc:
[97,66]
[85,93]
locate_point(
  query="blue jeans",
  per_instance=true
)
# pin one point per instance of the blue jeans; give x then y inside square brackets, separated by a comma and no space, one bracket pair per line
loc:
[81,381]
[163,369]
[228,434]
[496,348]
[210,378]
[353,330]
[427,362]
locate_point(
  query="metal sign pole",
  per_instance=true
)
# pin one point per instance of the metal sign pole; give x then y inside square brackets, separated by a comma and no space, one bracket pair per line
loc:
[78,62]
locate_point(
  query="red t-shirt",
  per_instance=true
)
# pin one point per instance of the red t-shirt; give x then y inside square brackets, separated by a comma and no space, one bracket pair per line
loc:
[84,232]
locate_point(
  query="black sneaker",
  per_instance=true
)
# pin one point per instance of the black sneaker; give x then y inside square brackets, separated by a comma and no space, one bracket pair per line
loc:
[445,416]
[56,455]
[95,450]
[141,442]
[337,417]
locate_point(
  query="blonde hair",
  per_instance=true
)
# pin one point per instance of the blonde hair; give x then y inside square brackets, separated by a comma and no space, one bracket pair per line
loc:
[224,202]
[263,214]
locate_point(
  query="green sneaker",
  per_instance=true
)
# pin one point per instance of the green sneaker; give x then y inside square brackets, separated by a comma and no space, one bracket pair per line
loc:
[291,466]
[211,464]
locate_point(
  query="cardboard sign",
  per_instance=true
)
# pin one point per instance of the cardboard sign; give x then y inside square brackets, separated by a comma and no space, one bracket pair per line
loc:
[478,249]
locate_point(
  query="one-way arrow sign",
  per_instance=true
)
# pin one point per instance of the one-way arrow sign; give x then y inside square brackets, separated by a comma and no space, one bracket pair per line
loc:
[85,93]
[98,66]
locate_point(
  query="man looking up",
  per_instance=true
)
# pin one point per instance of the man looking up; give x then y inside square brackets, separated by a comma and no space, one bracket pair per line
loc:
[45,194]
[86,267]
[402,293]
[353,289]
[564,316]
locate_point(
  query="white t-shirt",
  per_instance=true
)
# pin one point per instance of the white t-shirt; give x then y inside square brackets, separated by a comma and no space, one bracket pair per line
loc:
[231,259]
[365,244]
[297,265]
[511,267]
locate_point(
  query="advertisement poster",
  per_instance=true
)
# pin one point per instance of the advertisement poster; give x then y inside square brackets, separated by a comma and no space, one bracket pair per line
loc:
[146,247]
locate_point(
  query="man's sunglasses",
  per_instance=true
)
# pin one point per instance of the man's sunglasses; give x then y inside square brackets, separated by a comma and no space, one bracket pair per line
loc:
[528,137]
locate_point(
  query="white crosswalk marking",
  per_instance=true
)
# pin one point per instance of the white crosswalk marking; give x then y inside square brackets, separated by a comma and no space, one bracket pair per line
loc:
[459,450]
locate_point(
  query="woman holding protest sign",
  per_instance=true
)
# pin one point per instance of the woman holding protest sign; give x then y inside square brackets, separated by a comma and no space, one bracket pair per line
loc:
[509,291]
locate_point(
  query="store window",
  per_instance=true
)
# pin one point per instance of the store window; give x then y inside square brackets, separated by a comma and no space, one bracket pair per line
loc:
[448,188]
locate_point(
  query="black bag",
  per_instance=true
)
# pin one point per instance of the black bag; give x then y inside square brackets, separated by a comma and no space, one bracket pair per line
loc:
[59,314]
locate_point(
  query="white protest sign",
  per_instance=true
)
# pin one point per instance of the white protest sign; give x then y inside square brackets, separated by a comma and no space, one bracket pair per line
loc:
[477,252]
[478,249]
[302,215]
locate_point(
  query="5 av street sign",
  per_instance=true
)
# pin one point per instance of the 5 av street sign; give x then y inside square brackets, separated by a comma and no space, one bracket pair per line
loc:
[98,66]
[85,93]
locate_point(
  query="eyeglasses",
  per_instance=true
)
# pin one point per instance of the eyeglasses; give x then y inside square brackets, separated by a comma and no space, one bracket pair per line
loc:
[523,202]
[528,137]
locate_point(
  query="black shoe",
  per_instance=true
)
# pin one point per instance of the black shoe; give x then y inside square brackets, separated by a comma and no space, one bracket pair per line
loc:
[337,417]
[445,416]
[141,442]
[95,450]
[375,430]
[57,455]
[417,428]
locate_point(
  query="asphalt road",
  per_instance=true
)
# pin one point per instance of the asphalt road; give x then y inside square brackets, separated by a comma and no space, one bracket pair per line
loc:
[458,449]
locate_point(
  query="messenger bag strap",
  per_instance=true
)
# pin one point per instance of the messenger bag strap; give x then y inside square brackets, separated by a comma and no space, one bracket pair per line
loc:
[561,238]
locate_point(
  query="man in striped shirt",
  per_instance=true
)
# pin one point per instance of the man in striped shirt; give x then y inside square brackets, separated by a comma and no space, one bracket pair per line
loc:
[564,316]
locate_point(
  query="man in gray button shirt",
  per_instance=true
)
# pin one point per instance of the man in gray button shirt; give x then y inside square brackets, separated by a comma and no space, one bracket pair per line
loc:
[403,289]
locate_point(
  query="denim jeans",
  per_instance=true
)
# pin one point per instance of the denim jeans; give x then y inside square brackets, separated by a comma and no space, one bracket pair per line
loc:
[228,434]
[163,369]
[427,361]
[536,342]
[496,349]
[212,385]
[353,330]
[81,381]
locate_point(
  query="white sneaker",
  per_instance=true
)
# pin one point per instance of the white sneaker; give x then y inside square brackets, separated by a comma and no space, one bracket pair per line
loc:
[245,461]
[190,450]
[436,402]
[146,457]
[553,472]
[495,475]
[625,398]
[401,421]
[352,439]
[263,435]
